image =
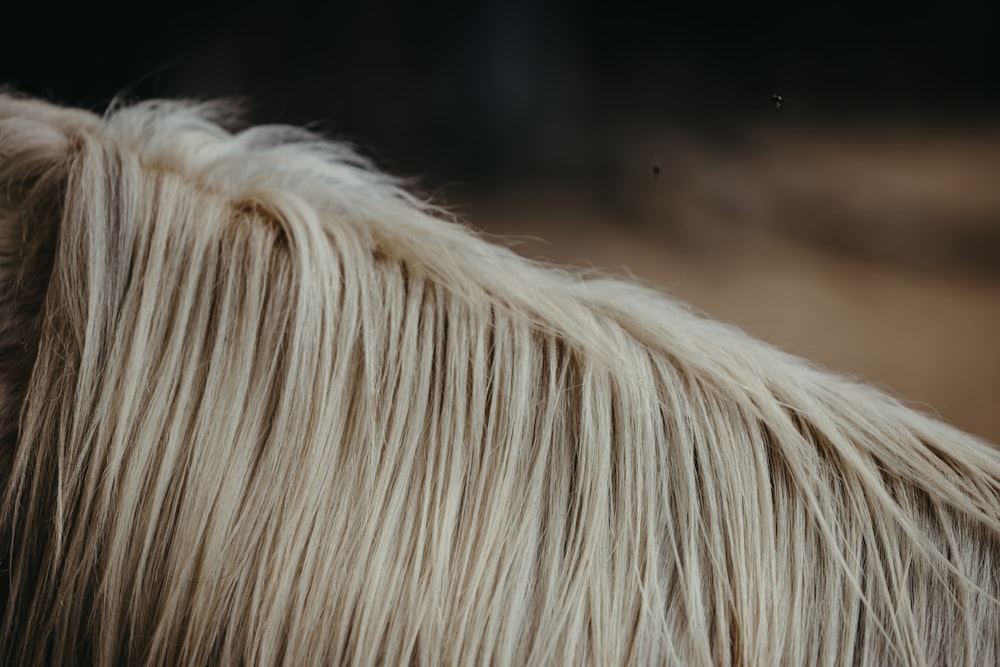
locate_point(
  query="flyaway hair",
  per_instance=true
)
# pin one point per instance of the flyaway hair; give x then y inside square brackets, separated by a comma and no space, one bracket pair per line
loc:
[259,406]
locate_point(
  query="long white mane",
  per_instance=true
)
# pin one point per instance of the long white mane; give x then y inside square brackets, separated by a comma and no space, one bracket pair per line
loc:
[258,405]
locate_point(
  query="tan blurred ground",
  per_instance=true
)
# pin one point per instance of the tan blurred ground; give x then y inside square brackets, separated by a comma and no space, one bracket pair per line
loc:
[873,251]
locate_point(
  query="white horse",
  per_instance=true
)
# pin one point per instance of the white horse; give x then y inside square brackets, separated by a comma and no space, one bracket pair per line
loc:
[260,406]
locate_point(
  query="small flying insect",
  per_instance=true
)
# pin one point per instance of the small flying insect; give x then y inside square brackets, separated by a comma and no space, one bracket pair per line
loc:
[656,169]
[776,98]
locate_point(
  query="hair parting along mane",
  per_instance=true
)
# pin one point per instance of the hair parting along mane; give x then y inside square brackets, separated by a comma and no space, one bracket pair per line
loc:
[260,406]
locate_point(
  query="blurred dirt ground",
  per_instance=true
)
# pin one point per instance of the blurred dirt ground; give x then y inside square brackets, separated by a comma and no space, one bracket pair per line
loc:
[873,251]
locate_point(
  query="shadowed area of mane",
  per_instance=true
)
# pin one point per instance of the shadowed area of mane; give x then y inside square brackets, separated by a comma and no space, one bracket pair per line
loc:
[261,406]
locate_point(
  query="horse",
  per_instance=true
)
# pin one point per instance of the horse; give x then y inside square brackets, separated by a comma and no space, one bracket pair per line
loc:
[261,405]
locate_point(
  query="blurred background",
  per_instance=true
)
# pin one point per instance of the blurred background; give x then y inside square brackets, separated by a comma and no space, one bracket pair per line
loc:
[858,225]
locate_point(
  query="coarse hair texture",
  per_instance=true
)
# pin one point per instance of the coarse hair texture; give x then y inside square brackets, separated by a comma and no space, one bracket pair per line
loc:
[259,406]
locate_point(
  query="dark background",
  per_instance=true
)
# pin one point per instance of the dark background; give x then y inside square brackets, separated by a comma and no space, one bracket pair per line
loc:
[858,225]
[459,90]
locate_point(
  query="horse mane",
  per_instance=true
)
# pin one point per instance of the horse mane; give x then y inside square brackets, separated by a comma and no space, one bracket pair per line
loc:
[259,405]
